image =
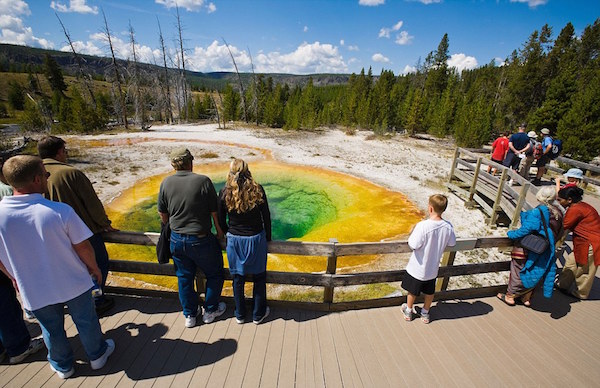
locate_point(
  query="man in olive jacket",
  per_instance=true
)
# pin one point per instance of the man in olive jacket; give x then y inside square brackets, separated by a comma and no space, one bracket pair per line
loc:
[69,185]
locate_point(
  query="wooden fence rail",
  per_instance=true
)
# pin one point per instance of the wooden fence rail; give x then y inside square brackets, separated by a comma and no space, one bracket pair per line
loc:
[329,279]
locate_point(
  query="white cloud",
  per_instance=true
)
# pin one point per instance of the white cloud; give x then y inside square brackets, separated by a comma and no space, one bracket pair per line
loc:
[531,3]
[97,45]
[353,48]
[462,62]
[384,32]
[77,6]
[305,29]
[342,42]
[500,61]
[12,28]
[403,38]
[306,59]
[429,1]
[189,5]
[380,58]
[371,3]
[409,69]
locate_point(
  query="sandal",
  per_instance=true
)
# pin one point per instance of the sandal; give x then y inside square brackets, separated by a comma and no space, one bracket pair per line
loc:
[502,297]
[527,303]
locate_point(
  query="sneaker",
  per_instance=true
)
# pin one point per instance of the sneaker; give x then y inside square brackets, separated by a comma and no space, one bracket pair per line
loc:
[63,375]
[35,345]
[191,320]
[536,182]
[210,316]
[258,321]
[100,362]
[406,312]
[425,317]
[240,320]
[106,304]
[511,182]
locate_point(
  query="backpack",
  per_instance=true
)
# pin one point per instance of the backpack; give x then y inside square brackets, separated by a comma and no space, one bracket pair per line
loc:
[556,148]
[538,150]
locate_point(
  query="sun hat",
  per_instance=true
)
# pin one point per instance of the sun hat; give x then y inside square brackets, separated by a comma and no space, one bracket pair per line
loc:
[574,173]
[532,134]
[545,131]
[179,154]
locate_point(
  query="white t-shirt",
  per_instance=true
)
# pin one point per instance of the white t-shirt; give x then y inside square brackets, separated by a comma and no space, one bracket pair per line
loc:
[428,241]
[36,247]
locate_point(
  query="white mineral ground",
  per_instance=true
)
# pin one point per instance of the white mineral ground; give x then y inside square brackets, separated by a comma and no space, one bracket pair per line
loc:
[415,167]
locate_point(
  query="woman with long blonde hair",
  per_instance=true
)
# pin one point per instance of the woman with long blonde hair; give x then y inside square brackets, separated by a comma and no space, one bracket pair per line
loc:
[245,218]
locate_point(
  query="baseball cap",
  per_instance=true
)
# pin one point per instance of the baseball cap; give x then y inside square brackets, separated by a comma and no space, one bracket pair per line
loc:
[180,153]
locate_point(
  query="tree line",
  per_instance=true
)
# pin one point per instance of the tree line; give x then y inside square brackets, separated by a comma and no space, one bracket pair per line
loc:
[551,82]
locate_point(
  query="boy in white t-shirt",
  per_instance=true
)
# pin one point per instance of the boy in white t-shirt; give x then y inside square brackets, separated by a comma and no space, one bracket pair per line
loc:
[428,241]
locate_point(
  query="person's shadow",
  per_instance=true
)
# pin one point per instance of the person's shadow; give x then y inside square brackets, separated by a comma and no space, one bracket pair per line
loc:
[457,309]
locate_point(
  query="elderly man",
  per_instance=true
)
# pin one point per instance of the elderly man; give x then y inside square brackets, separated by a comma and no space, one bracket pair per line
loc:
[45,252]
[189,202]
[69,185]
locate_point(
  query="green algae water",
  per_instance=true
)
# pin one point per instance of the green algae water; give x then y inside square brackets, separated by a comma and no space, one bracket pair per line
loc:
[306,203]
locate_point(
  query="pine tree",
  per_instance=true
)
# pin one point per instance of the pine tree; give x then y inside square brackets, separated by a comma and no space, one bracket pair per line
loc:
[54,74]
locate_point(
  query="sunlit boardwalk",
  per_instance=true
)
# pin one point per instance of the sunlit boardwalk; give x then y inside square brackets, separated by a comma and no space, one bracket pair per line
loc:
[475,342]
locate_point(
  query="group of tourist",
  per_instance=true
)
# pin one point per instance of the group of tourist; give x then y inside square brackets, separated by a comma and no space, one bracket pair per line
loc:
[520,150]
[52,252]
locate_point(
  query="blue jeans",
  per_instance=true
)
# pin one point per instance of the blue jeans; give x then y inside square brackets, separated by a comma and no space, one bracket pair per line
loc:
[190,253]
[102,261]
[259,293]
[52,321]
[14,336]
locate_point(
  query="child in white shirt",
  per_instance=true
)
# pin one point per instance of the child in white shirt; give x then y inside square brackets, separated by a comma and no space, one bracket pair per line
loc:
[428,241]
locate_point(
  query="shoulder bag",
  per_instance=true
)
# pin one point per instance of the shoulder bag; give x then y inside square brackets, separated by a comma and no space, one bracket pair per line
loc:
[535,242]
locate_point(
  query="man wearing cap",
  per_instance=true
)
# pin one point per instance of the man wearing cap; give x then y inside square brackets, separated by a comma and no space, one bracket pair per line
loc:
[70,185]
[545,158]
[529,155]
[518,144]
[189,202]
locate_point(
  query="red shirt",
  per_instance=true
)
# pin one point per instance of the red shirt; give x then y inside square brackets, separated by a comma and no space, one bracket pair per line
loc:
[584,221]
[499,148]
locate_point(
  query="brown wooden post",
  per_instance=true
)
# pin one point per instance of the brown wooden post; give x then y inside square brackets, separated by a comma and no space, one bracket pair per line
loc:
[494,214]
[454,163]
[584,184]
[441,284]
[473,188]
[519,205]
[331,269]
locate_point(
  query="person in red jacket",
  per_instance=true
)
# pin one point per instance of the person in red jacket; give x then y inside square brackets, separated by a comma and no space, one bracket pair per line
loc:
[582,219]
[499,149]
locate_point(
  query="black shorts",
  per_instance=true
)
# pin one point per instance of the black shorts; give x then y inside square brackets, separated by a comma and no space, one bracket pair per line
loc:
[541,162]
[416,286]
[512,161]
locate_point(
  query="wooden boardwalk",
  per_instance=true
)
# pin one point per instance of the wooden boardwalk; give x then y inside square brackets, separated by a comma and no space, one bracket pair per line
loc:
[478,342]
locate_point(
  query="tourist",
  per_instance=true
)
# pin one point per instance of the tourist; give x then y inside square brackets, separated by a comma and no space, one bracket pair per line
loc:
[52,265]
[428,241]
[527,161]
[545,157]
[579,272]
[245,218]
[574,177]
[69,185]
[188,202]
[15,341]
[518,144]
[499,149]
[527,271]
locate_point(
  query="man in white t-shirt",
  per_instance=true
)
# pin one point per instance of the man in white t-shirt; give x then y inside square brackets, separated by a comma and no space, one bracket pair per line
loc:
[428,240]
[44,250]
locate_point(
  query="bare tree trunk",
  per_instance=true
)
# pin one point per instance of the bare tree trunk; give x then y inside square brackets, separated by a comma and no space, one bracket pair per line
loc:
[184,81]
[140,113]
[177,90]
[164,54]
[242,94]
[255,94]
[78,59]
[116,70]
[217,107]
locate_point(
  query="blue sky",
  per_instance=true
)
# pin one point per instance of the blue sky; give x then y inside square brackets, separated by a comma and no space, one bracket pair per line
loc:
[297,36]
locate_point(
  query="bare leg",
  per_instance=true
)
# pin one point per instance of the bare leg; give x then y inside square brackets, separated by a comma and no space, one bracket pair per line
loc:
[410,300]
[428,301]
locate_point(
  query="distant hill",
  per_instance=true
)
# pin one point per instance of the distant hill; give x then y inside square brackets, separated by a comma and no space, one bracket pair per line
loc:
[20,58]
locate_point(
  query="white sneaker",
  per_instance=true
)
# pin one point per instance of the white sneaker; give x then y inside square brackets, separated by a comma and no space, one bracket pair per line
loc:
[240,321]
[258,321]
[191,320]
[208,317]
[100,362]
[63,375]
[34,346]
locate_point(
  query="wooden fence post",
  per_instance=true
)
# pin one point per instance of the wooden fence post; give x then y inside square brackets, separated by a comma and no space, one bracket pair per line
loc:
[441,284]
[331,269]
[519,205]
[454,163]
[473,188]
[494,214]
[584,184]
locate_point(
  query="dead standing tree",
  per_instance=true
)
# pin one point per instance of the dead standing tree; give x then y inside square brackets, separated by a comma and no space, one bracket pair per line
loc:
[85,78]
[255,91]
[182,69]
[242,94]
[123,107]
[166,80]
[138,103]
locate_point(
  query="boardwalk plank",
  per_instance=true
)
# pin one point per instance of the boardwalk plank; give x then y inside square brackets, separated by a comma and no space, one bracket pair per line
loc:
[241,357]
[254,368]
[346,360]
[270,369]
[331,369]
[289,353]
[214,352]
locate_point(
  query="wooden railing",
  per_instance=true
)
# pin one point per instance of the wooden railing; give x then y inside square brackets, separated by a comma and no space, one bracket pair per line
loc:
[329,279]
